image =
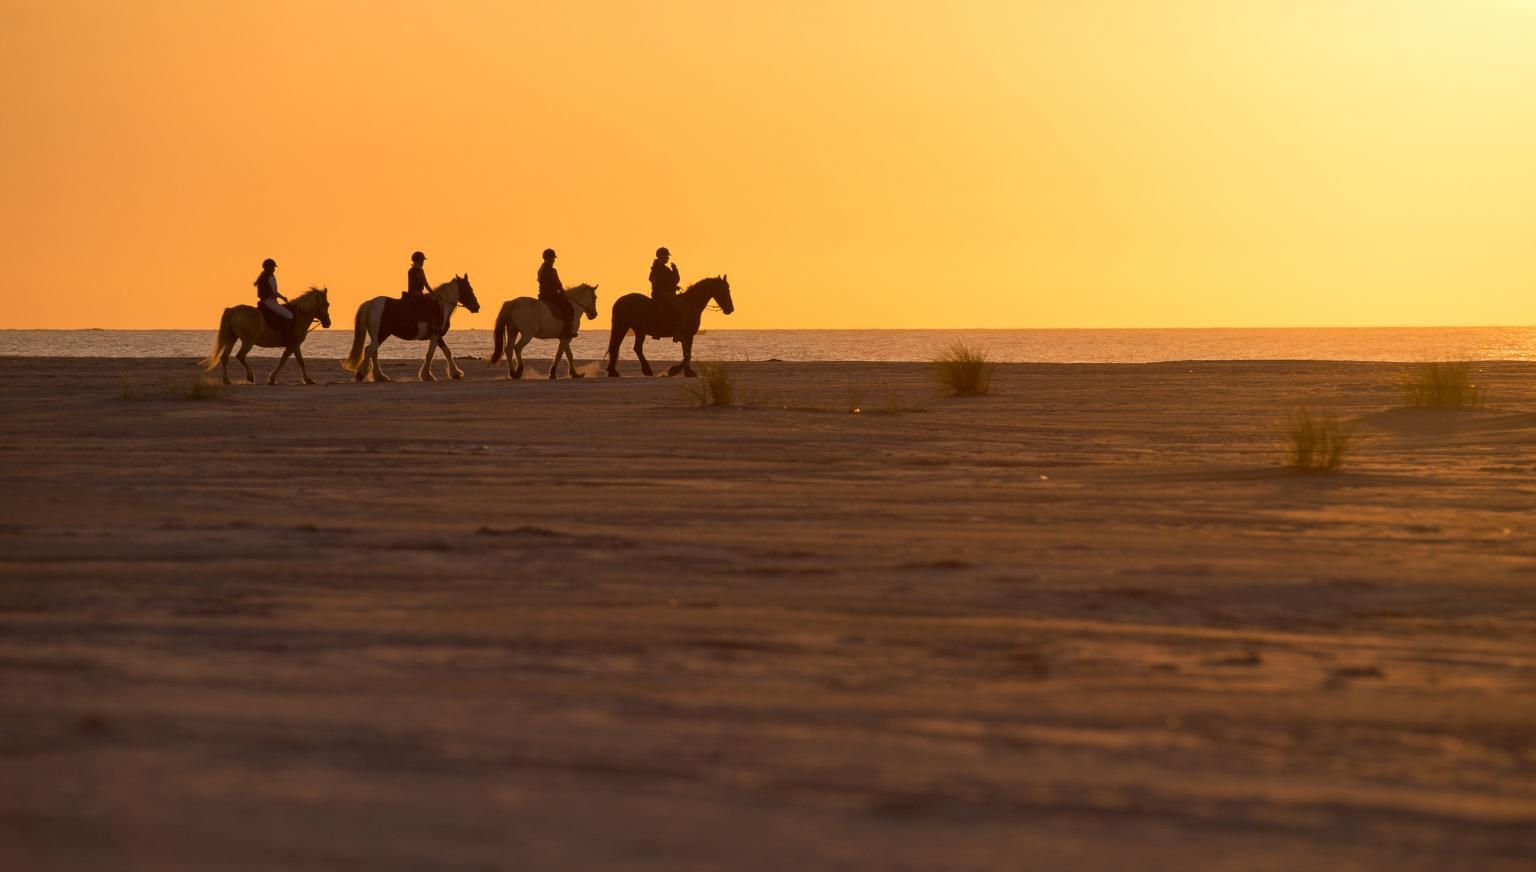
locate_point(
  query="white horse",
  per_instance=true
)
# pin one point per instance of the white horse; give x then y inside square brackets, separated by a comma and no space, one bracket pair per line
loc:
[526,318]
[246,324]
[383,317]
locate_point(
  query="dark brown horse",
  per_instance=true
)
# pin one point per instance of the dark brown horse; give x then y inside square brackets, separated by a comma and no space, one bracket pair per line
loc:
[646,317]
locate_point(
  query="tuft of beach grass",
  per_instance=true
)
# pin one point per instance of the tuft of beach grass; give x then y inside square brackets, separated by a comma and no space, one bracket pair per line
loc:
[1441,385]
[1317,443]
[715,386]
[964,371]
[201,390]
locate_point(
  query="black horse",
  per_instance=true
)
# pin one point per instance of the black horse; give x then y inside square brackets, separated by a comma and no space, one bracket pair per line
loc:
[646,317]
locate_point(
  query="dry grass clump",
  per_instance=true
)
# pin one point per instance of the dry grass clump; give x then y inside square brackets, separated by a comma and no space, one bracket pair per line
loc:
[1441,385]
[964,371]
[1317,443]
[201,390]
[716,386]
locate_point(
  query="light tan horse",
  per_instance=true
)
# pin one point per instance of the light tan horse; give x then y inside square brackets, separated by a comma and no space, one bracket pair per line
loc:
[526,318]
[383,317]
[247,324]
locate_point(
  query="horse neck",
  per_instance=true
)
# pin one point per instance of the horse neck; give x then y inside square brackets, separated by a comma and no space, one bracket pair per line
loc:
[300,302]
[699,295]
[447,294]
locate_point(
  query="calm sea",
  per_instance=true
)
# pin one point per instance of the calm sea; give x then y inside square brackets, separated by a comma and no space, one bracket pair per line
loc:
[1023,346]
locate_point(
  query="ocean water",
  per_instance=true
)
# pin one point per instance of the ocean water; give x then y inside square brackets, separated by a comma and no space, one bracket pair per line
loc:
[1017,346]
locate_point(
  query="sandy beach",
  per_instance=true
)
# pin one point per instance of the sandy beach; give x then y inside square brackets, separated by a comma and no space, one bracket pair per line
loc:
[1089,622]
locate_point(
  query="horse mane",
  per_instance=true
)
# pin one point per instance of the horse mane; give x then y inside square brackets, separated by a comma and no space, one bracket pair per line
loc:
[314,289]
[451,281]
[703,281]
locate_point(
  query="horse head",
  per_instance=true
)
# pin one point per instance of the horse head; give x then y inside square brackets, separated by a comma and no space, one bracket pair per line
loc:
[466,293]
[585,296]
[722,295]
[463,293]
[316,302]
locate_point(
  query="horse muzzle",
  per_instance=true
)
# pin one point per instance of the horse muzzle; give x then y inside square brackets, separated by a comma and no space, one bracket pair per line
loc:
[325,321]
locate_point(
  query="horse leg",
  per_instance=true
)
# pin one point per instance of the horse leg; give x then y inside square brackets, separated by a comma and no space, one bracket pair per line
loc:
[645,365]
[373,356]
[570,362]
[425,373]
[687,358]
[453,368]
[245,348]
[224,361]
[614,338]
[303,370]
[554,365]
[272,379]
[514,357]
[523,339]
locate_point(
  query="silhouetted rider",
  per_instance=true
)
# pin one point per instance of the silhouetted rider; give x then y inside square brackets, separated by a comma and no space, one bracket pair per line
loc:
[553,293]
[267,298]
[418,295]
[664,287]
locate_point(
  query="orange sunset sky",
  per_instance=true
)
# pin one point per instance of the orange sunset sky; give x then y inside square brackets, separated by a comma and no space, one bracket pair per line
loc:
[996,163]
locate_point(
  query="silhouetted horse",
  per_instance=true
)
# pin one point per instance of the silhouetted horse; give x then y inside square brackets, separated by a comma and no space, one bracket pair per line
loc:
[247,324]
[647,317]
[526,318]
[383,317]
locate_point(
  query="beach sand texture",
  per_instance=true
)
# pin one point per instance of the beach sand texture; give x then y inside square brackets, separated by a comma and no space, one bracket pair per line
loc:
[1086,623]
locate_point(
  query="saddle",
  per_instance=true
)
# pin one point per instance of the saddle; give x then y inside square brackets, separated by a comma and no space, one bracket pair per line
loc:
[406,318]
[271,319]
[554,312]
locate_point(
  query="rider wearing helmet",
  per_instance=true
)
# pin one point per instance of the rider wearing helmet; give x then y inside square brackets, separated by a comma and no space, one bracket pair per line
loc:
[664,286]
[267,299]
[553,293]
[418,295]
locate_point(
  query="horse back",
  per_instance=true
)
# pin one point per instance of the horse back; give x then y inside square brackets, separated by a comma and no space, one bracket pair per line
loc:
[398,319]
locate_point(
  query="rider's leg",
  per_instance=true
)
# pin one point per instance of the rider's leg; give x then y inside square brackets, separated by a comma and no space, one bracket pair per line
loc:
[285,332]
[567,311]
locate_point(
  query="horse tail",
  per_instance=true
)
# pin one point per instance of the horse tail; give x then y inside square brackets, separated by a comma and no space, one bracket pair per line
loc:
[502,337]
[359,337]
[616,331]
[221,342]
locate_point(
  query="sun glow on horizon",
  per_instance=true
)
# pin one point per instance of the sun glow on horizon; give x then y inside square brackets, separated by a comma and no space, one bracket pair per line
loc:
[859,164]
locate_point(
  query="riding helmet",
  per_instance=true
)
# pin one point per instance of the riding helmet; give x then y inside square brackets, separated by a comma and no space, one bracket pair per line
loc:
[549,253]
[662,252]
[269,263]
[417,257]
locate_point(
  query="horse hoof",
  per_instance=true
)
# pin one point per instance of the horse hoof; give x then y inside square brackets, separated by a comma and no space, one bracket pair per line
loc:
[577,375]
[427,377]
[688,373]
[456,375]
[613,373]
[309,381]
